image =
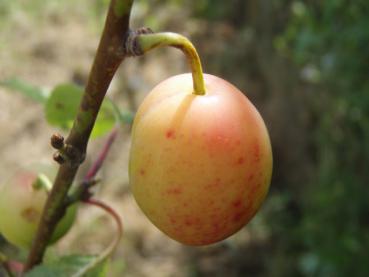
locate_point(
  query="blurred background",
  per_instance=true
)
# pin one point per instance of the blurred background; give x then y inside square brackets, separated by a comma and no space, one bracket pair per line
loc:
[305,66]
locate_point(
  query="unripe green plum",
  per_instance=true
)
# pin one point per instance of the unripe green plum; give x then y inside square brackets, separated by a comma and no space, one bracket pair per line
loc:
[21,205]
[200,165]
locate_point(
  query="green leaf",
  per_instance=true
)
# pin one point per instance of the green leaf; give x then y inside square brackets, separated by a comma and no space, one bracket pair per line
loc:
[71,266]
[124,117]
[62,106]
[105,121]
[33,92]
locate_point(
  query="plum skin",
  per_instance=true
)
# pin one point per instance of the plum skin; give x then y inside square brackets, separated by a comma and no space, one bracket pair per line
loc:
[200,165]
[21,208]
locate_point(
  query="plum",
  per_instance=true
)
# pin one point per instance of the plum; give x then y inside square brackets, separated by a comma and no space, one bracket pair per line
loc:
[22,199]
[200,165]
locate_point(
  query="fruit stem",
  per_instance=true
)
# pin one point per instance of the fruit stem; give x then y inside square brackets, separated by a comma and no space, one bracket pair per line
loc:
[42,182]
[146,42]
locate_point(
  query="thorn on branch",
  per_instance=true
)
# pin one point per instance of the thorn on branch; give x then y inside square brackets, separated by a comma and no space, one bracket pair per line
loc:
[131,46]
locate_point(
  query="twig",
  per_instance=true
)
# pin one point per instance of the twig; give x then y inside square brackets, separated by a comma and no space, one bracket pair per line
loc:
[109,56]
[109,250]
[102,156]
[82,193]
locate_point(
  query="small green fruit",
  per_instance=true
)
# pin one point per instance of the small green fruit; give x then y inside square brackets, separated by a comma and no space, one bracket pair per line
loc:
[22,199]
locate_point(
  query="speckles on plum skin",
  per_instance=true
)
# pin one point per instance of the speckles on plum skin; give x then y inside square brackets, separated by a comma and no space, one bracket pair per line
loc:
[238,216]
[142,172]
[250,177]
[218,222]
[254,189]
[173,191]
[188,222]
[213,185]
[240,161]
[172,220]
[170,134]
[30,214]
[256,152]
[191,221]
[216,227]
[237,203]
[242,209]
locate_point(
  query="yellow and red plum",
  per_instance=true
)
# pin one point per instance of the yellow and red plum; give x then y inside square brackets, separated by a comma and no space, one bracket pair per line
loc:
[200,165]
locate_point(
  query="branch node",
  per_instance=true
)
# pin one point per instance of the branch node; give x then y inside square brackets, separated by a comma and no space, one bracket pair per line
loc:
[69,154]
[86,192]
[110,54]
[82,192]
[58,158]
[74,155]
[131,46]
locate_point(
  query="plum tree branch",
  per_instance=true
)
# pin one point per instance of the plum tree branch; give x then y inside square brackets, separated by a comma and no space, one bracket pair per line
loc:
[110,54]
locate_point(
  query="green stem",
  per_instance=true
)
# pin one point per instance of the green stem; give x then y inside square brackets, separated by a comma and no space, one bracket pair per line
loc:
[146,42]
[42,182]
